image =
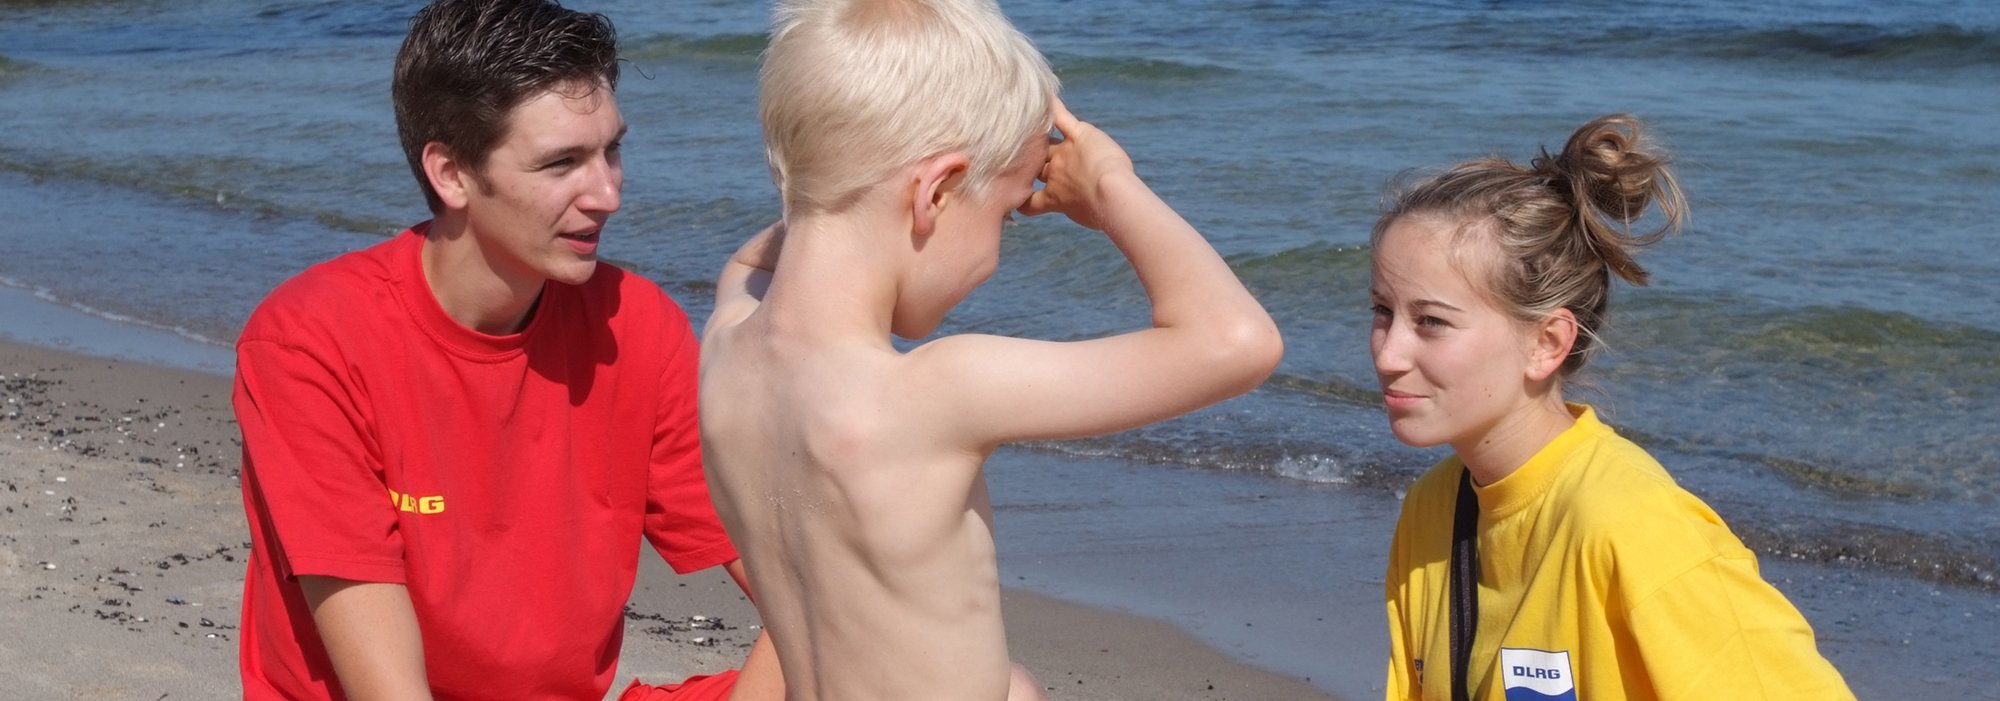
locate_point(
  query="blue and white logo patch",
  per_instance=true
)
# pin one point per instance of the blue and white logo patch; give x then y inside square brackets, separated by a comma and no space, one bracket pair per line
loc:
[1536,675]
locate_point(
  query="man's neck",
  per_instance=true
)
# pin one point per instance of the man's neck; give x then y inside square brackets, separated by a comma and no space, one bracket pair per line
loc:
[467,286]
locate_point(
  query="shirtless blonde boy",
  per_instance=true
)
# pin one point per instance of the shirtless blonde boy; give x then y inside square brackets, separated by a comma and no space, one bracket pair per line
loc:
[901,134]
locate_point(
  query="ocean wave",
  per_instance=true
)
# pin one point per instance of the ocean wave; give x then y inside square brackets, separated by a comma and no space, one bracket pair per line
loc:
[1826,342]
[1941,45]
[38,4]
[123,176]
[11,68]
[1772,531]
[1367,397]
[727,48]
[1311,257]
[1304,462]
[1703,331]
[351,19]
[1927,556]
[1974,173]
[1820,475]
[1133,69]
[47,295]
[1310,270]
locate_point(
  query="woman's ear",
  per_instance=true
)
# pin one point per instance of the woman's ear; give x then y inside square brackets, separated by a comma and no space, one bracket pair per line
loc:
[447,174]
[936,186]
[1552,340]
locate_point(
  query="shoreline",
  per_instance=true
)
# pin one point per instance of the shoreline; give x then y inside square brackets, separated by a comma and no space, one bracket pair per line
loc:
[28,319]
[125,541]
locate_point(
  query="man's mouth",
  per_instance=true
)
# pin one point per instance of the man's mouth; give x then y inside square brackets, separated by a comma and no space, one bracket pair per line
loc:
[581,243]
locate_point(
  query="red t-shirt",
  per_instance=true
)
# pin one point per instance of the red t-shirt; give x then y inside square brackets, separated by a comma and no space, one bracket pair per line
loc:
[504,479]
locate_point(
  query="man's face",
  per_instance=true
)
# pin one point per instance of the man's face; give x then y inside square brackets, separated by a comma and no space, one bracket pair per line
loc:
[540,202]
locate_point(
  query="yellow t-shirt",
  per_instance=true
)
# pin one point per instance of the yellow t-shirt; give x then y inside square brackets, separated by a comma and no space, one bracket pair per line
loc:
[1599,579]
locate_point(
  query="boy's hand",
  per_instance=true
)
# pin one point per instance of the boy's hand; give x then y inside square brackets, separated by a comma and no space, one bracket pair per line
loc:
[1076,174]
[761,251]
[745,277]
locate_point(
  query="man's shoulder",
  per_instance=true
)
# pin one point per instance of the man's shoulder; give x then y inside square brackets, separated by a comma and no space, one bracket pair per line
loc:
[622,294]
[333,294]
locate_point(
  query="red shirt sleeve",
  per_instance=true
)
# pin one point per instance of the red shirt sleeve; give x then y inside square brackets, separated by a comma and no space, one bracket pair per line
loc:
[680,520]
[312,479]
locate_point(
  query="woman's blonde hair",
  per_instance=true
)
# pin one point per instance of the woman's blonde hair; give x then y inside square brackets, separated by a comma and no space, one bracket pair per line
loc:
[1563,224]
[852,90]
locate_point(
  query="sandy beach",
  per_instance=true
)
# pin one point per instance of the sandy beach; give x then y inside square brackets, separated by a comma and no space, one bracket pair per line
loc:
[122,547]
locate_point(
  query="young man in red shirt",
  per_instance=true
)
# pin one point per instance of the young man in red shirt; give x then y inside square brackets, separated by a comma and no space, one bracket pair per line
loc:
[454,440]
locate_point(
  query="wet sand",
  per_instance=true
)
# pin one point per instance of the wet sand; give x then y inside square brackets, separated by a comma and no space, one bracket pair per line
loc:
[122,546]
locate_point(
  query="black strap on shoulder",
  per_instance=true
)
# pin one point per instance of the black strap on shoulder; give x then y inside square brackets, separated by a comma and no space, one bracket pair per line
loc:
[1464,584]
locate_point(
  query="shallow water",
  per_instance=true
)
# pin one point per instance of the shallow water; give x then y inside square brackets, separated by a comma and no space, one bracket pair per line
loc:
[1819,356]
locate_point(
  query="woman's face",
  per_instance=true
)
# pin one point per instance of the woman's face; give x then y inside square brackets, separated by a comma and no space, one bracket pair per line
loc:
[1452,364]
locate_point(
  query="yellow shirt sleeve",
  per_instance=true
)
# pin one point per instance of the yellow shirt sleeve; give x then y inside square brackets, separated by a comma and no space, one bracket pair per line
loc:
[1721,626]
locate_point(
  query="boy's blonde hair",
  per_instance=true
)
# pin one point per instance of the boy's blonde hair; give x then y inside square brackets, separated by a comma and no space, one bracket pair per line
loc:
[852,90]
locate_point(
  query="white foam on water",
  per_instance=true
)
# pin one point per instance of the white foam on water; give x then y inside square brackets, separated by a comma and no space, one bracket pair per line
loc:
[36,316]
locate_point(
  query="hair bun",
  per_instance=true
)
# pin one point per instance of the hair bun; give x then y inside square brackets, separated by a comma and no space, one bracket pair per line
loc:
[1611,173]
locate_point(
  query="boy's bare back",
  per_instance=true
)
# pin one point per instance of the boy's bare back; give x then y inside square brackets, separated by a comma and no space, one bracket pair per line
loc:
[848,473]
[873,535]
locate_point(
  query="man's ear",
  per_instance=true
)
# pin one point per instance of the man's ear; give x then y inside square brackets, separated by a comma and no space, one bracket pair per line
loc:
[1553,338]
[447,174]
[937,181]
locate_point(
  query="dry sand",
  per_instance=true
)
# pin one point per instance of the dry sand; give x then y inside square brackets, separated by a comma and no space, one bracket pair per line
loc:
[122,546]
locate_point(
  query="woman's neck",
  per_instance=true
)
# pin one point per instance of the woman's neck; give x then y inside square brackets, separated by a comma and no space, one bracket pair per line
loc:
[1516,437]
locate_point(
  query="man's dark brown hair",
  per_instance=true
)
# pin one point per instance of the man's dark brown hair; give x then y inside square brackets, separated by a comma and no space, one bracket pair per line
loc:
[467,64]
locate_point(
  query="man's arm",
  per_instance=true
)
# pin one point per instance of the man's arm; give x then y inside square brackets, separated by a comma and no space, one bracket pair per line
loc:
[336,530]
[370,632]
[761,678]
[740,287]
[1209,340]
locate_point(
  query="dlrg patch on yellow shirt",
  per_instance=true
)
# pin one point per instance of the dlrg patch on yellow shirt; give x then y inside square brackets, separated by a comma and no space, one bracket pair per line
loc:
[1536,675]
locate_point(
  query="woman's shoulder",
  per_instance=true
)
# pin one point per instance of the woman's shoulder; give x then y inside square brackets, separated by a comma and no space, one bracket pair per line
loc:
[1627,509]
[1437,487]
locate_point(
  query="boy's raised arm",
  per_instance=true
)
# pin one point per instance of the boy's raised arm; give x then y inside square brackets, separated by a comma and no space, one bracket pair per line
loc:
[746,276]
[1210,339]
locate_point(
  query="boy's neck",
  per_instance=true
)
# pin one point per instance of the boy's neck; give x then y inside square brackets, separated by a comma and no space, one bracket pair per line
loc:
[839,277]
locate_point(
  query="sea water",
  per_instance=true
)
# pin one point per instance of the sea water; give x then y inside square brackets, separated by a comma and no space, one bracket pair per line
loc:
[1818,356]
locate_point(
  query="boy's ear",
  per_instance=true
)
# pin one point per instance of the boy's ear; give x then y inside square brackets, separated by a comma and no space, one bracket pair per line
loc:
[447,174]
[1553,338]
[937,183]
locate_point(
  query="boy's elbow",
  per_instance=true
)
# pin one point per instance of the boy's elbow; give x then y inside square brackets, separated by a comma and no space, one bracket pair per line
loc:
[1251,349]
